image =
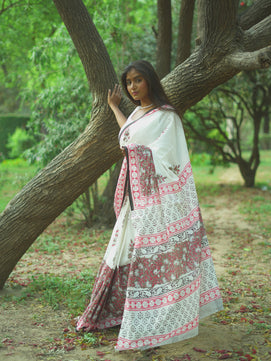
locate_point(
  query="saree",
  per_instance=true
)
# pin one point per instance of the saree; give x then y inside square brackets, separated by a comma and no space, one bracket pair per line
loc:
[157,278]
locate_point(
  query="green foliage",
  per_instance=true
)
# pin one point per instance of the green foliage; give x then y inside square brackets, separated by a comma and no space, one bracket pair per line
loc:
[61,108]
[18,142]
[8,124]
[257,209]
[89,339]
[200,159]
[126,29]
[24,27]
[14,174]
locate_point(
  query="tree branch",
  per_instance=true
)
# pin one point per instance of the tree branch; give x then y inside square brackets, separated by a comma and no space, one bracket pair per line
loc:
[255,13]
[15,4]
[225,155]
[3,8]
[185,30]
[163,51]
[211,33]
[258,36]
[258,59]
[231,93]
[85,36]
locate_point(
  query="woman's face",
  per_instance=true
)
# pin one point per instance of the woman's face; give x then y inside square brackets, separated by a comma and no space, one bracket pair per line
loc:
[137,87]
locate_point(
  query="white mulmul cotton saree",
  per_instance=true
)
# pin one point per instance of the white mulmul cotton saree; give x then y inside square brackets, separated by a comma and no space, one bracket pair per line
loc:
[157,278]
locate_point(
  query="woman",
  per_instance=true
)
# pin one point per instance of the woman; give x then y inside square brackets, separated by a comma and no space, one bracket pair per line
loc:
[157,277]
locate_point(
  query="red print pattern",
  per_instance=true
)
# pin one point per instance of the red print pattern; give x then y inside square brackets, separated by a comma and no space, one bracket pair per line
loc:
[165,299]
[182,258]
[119,194]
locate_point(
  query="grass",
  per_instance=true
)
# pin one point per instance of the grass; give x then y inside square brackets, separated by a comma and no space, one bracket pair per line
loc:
[60,267]
[63,290]
[14,174]
[58,291]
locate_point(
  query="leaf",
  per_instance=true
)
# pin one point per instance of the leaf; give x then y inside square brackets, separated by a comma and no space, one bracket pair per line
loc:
[100,353]
[225,356]
[199,350]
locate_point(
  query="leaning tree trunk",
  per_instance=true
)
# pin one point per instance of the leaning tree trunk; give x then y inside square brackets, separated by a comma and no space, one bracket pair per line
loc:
[222,54]
[80,164]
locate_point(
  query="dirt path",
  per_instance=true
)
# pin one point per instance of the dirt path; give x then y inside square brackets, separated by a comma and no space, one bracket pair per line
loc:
[30,330]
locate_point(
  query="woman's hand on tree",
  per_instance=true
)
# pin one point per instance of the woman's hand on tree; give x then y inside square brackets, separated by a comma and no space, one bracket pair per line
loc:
[114,96]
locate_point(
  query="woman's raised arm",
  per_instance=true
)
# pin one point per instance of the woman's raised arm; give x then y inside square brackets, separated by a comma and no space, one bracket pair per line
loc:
[113,99]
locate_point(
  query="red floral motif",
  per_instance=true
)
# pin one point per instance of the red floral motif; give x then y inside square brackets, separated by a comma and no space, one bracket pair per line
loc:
[160,178]
[175,169]
[126,135]
[119,193]
[148,178]
[184,257]
[131,248]
[175,187]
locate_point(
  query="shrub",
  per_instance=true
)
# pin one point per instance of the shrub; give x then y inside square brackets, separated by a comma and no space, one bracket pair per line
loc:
[8,124]
[18,142]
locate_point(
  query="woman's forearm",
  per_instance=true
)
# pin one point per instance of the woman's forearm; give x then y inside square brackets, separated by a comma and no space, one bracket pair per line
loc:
[120,117]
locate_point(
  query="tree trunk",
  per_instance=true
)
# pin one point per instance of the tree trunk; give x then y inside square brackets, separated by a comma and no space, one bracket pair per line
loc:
[220,56]
[163,54]
[185,30]
[266,123]
[247,173]
[80,164]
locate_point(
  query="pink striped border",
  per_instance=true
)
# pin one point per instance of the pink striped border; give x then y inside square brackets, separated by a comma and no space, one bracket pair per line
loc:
[164,300]
[152,341]
[173,228]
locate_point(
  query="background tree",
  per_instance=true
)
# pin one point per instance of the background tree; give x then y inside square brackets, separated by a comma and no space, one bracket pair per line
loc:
[164,37]
[228,115]
[224,50]
[185,30]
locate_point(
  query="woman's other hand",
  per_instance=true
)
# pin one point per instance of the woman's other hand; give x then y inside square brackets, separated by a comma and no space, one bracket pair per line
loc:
[114,96]
[123,151]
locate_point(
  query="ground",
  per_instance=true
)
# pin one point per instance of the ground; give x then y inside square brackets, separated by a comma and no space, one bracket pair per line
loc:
[31,328]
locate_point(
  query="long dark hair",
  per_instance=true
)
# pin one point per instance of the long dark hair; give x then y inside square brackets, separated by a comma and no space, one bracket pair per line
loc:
[157,94]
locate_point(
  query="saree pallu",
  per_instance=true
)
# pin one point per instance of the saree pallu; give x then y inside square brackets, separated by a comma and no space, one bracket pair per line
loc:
[157,278]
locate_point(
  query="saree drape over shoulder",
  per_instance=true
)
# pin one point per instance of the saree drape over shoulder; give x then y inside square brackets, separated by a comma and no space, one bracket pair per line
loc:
[157,277]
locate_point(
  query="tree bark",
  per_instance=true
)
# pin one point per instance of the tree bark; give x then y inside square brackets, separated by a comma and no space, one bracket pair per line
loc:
[217,59]
[163,52]
[185,30]
[255,13]
[266,123]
